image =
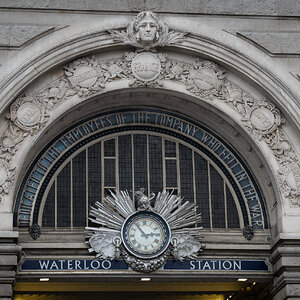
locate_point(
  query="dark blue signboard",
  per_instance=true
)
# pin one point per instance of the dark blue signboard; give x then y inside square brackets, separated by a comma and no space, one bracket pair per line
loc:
[97,264]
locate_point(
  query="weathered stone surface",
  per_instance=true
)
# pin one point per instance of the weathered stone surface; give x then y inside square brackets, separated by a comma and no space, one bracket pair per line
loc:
[276,42]
[17,35]
[259,7]
[235,7]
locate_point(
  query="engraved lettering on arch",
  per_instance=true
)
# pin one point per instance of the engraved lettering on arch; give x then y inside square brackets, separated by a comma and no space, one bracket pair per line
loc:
[157,119]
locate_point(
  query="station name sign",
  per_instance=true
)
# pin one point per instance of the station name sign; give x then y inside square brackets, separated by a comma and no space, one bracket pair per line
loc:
[187,265]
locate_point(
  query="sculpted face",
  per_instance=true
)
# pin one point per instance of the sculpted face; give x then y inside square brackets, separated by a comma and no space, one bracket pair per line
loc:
[147,30]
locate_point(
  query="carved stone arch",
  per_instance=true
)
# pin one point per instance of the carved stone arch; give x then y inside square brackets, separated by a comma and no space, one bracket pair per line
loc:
[224,49]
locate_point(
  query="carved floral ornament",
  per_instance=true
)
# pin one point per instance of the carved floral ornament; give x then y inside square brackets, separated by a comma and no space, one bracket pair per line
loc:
[149,67]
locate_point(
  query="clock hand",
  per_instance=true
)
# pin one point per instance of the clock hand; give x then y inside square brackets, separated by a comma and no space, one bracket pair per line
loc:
[150,234]
[141,230]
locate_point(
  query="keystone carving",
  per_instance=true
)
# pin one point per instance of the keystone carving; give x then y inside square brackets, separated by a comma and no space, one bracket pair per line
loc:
[146,32]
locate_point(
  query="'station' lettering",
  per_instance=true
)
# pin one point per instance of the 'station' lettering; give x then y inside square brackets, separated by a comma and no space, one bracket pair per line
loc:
[96,264]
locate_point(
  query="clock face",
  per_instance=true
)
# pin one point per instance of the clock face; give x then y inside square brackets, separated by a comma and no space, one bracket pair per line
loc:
[146,234]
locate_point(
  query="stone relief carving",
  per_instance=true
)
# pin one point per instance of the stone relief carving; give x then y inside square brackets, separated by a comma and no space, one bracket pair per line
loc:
[290,181]
[146,32]
[150,68]
[7,174]
[85,76]
[28,114]
[262,118]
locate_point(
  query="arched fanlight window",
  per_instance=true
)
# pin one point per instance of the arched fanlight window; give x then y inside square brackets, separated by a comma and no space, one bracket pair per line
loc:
[133,160]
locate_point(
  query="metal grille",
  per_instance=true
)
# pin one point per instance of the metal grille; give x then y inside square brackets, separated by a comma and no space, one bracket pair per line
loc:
[133,161]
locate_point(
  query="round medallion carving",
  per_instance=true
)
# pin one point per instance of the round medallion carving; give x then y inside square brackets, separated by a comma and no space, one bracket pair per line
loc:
[262,118]
[28,114]
[85,76]
[205,79]
[146,66]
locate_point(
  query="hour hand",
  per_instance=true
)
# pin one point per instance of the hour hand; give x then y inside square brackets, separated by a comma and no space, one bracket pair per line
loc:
[150,234]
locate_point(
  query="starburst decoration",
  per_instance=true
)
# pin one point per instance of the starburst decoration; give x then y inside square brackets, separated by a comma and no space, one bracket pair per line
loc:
[113,211]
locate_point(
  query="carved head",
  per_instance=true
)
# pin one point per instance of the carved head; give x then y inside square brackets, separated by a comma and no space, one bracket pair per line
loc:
[146,27]
[143,201]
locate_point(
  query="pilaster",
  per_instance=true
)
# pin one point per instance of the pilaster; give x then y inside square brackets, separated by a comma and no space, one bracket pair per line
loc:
[286,262]
[8,262]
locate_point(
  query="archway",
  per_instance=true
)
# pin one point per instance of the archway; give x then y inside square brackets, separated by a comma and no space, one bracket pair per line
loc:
[198,77]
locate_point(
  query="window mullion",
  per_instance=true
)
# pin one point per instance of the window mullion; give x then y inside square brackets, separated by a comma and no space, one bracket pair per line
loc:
[225,204]
[55,203]
[209,195]
[71,194]
[178,169]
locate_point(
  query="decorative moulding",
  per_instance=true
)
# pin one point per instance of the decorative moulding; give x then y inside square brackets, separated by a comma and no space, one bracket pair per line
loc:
[147,66]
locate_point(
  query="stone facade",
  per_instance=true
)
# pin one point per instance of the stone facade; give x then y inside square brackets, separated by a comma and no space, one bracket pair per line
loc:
[232,66]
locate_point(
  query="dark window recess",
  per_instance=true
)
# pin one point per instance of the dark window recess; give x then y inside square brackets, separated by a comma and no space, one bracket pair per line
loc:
[140,162]
[109,172]
[94,173]
[170,149]
[79,189]
[202,191]
[232,213]
[49,209]
[134,146]
[64,197]
[171,173]
[155,164]
[125,162]
[173,192]
[217,199]
[186,173]
[109,148]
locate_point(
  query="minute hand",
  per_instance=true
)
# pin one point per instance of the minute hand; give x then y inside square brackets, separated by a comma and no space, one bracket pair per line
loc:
[141,230]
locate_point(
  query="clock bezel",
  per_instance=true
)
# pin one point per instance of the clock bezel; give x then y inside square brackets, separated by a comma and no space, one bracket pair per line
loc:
[154,215]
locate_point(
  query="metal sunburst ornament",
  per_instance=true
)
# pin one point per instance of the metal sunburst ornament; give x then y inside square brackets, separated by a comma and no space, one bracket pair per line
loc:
[145,236]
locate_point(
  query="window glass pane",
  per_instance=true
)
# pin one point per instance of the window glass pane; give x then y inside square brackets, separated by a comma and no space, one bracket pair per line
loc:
[64,197]
[49,209]
[170,149]
[186,173]
[232,213]
[171,173]
[94,173]
[89,161]
[217,199]
[79,189]
[155,164]
[109,148]
[202,192]
[140,162]
[125,163]
[109,172]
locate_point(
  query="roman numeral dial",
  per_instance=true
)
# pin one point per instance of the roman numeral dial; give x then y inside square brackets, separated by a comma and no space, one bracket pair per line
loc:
[145,234]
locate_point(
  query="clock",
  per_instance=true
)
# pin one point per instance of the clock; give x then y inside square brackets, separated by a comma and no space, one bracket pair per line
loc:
[145,234]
